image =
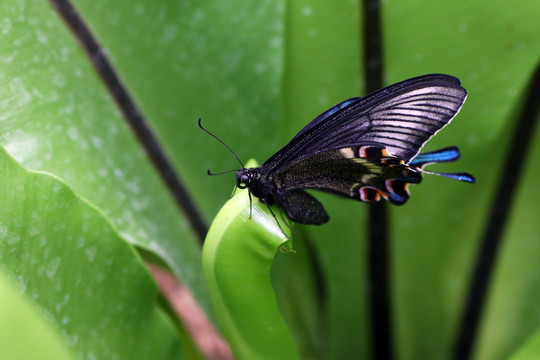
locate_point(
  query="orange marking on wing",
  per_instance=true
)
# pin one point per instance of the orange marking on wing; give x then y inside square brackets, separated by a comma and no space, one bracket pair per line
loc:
[371,194]
[362,152]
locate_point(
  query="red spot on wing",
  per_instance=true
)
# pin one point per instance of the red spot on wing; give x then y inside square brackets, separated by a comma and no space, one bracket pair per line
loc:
[371,194]
[372,152]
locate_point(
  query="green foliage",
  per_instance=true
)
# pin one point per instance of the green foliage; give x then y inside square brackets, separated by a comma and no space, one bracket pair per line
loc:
[83,193]
[63,254]
[530,349]
[22,325]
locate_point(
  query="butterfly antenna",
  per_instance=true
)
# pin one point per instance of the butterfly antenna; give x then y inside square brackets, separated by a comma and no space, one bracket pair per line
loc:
[221,141]
[219,173]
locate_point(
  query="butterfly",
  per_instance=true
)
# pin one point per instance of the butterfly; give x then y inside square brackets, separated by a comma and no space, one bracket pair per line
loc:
[364,148]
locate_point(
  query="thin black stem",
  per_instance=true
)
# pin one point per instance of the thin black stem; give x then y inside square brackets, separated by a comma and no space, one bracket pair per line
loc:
[379,282]
[132,115]
[496,223]
[378,241]
[373,51]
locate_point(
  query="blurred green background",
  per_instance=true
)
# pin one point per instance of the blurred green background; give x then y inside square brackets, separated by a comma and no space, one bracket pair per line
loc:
[79,191]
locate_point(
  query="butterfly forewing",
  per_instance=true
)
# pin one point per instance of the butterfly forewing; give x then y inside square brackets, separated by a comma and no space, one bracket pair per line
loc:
[325,115]
[400,118]
[405,123]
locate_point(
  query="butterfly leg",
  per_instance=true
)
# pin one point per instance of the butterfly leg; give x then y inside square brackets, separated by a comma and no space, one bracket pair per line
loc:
[250,205]
[277,222]
[285,221]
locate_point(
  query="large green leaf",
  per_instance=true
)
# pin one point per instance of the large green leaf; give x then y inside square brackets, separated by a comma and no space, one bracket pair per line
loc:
[22,325]
[65,256]
[530,350]
[58,117]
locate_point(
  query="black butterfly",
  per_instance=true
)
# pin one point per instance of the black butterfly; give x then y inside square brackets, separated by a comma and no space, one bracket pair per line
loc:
[362,148]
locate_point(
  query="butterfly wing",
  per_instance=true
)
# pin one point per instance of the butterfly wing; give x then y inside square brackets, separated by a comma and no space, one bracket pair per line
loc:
[327,114]
[302,208]
[362,173]
[400,118]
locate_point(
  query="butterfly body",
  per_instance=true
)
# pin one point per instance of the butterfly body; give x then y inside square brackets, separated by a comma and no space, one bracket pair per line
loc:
[342,172]
[365,149]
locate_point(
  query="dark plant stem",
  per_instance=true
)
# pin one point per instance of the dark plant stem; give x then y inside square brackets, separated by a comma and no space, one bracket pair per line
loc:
[496,223]
[132,115]
[378,242]
[379,282]
[373,52]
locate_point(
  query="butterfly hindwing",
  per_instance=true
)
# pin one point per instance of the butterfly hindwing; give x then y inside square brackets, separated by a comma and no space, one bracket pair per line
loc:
[301,207]
[363,173]
[448,154]
[443,155]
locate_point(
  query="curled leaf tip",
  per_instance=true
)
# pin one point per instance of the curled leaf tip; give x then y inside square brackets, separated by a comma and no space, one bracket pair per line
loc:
[237,258]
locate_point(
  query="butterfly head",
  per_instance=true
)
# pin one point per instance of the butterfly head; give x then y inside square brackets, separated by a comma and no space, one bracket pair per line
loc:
[246,178]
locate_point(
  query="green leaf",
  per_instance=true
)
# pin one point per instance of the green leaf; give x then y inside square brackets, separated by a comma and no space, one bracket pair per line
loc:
[22,325]
[57,116]
[237,258]
[515,292]
[530,350]
[184,60]
[62,253]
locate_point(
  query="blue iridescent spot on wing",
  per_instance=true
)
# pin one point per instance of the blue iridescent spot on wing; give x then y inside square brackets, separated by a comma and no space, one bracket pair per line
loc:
[459,176]
[443,155]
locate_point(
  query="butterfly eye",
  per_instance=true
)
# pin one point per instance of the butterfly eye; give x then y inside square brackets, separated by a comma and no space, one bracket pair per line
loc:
[244,179]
